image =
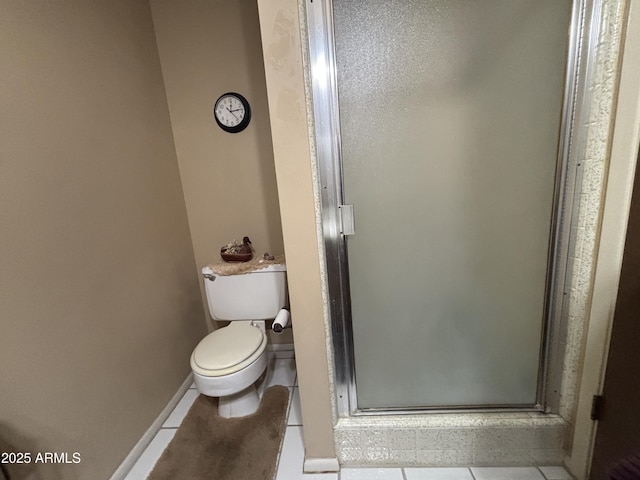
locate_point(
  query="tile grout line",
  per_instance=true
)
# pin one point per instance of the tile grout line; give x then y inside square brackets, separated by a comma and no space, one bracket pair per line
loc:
[281,451]
[471,472]
[299,413]
[290,405]
[286,428]
[541,472]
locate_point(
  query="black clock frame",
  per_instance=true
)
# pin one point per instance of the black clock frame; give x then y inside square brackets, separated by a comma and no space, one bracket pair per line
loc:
[247,115]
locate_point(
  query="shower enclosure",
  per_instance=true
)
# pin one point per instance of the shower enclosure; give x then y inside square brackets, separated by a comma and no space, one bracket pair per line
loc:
[442,134]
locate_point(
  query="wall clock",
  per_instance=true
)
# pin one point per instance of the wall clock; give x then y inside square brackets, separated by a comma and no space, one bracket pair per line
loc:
[232,112]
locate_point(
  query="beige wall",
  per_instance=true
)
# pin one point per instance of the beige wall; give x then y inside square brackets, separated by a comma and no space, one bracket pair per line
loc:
[207,48]
[288,113]
[99,304]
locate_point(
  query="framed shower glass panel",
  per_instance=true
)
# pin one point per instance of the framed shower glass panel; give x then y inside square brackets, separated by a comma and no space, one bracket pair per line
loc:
[445,139]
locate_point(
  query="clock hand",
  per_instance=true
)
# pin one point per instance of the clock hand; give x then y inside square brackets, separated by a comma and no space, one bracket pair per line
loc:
[231,112]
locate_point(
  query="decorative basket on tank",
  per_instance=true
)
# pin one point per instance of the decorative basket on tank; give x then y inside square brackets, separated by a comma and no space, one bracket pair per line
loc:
[237,252]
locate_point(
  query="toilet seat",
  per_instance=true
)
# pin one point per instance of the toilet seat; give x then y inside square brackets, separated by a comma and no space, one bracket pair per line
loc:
[228,350]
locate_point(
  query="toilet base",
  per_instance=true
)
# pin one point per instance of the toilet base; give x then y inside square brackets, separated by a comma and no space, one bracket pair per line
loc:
[239,404]
[237,392]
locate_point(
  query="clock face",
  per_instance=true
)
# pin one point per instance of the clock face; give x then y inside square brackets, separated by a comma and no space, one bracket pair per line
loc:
[232,112]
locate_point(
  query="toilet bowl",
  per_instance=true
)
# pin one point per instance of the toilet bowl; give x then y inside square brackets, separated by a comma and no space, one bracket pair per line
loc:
[228,362]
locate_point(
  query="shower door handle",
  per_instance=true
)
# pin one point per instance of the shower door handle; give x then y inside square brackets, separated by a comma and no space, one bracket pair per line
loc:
[347,223]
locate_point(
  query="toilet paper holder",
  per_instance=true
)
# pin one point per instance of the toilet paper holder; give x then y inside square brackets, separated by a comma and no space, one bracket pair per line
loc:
[282,320]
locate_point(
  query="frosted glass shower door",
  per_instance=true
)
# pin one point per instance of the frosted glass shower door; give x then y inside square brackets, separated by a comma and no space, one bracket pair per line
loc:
[450,115]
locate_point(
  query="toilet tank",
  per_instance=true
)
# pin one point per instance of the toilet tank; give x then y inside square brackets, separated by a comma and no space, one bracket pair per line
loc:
[257,295]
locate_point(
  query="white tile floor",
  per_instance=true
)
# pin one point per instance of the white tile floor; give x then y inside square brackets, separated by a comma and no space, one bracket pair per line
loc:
[283,372]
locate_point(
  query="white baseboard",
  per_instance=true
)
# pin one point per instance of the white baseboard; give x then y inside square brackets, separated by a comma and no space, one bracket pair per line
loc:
[144,442]
[320,465]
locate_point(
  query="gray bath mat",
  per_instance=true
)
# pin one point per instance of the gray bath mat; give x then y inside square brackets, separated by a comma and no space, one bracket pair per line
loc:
[209,447]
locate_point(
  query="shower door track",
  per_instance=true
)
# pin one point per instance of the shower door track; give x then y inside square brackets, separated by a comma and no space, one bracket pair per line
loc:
[583,35]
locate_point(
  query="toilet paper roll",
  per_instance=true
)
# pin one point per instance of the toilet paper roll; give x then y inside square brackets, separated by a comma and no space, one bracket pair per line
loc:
[281,321]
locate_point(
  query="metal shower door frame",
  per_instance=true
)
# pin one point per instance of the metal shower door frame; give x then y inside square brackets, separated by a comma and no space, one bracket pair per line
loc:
[583,36]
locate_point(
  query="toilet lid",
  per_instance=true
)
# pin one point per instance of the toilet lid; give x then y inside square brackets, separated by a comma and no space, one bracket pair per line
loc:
[228,346]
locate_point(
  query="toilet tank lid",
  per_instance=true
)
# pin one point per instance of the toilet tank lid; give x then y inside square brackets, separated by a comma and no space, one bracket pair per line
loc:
[252,266]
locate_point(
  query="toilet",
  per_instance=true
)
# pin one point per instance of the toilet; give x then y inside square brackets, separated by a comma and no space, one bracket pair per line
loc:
[228,362]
